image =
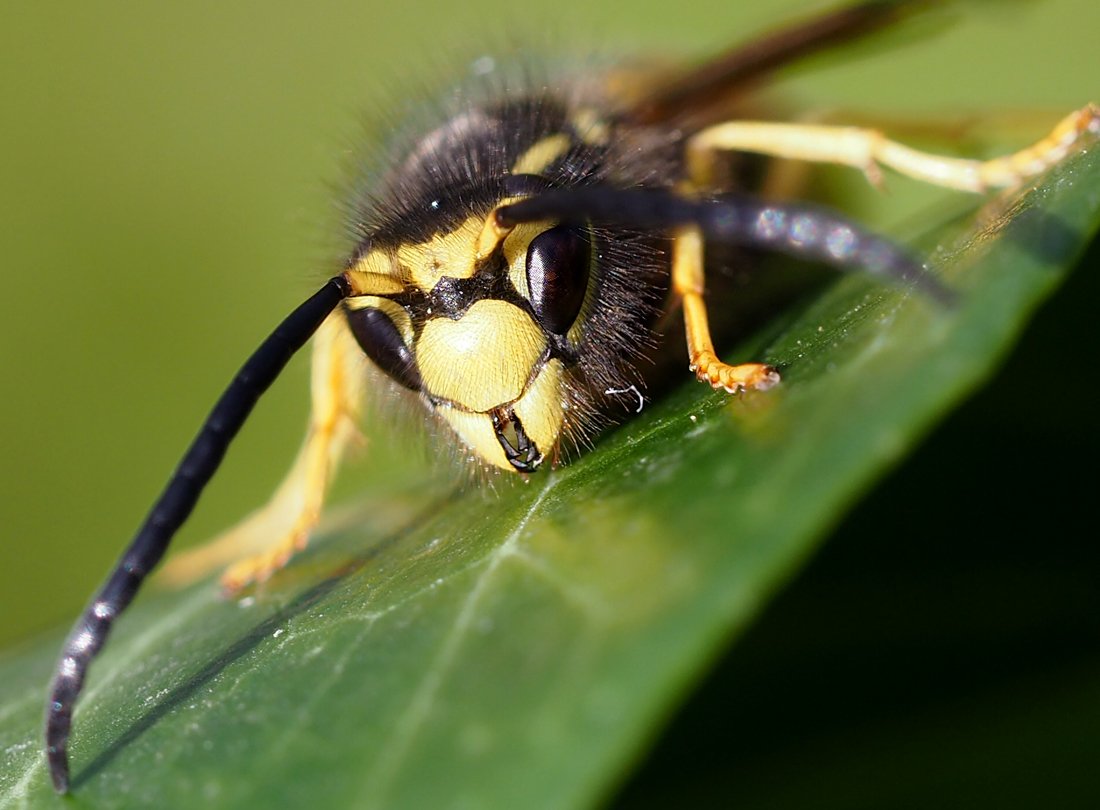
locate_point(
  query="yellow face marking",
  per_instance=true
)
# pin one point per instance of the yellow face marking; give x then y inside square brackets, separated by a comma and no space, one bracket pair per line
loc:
[374,274]
[484,359]
[492,233]
[542,154]
[515,253]
[375,262]
[447,254]
[475,430]
[540,408]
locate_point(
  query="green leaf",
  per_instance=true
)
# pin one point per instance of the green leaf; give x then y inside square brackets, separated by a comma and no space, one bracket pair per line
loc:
[519,645]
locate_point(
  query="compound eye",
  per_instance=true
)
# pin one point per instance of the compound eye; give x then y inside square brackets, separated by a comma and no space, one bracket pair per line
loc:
[380,340]
[557,275]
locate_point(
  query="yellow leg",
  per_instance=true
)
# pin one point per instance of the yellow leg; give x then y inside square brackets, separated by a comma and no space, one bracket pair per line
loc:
[687,282]
[264,541]
[869,150]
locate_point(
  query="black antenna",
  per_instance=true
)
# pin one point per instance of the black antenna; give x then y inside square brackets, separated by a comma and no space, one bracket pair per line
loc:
[797,229]
[170,511]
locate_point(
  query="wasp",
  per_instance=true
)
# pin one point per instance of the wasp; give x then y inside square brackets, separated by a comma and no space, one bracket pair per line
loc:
[508,269]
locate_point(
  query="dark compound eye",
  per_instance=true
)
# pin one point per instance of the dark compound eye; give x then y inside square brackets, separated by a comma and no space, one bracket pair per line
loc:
[557,275]
[383,344]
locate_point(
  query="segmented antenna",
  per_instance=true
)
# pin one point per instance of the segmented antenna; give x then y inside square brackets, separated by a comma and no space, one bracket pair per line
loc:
[797,229]
[170,511]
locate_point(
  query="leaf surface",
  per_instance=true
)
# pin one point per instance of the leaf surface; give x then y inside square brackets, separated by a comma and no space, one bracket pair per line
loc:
[518,645]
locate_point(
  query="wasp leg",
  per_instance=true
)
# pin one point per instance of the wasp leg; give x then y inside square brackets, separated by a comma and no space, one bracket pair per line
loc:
[869,150]
[268,537]
[687,282]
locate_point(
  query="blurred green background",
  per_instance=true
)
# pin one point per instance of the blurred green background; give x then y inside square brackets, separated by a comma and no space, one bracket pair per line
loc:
[166,195]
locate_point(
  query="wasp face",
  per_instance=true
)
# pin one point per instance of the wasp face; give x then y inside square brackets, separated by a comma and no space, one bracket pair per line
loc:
[485,342]
[511,340]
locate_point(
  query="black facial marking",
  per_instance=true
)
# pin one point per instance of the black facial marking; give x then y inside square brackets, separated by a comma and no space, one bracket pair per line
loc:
[382,343]
[561,349]
[452,297]
[525,456]
[558,260]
